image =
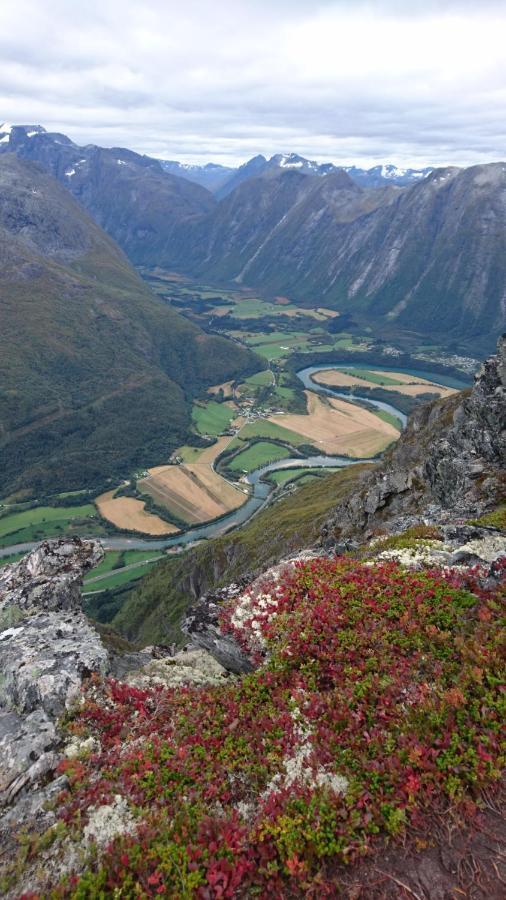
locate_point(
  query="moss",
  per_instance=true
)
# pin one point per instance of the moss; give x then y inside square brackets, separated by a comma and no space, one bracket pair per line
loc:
[494,519]
[418,535]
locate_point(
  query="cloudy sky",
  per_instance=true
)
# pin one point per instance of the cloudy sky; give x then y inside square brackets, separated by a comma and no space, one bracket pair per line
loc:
[342,80]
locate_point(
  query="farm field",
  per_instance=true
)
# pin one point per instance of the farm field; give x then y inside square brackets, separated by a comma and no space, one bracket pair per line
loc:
[7,560]
[212,418]
[339,427]
[121,567]
[130,514]
[268,429]
[284,476]
[400,383]
[257,455]
[48,521]
[192,492]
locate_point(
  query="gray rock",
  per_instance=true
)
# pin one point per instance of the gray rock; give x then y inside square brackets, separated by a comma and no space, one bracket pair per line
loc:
[47,648]
[447,465]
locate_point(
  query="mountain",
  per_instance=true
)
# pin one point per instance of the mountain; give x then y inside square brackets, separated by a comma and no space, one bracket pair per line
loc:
[259,165]
[129,195]
[210,176]
[378,176]
[430,257]
[427,256]
[265,219]
[97,374]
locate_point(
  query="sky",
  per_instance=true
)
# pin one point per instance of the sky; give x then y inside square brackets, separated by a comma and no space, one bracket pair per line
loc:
[342,80]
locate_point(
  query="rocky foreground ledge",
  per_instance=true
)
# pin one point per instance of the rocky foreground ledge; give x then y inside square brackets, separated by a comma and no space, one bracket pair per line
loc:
[48,649]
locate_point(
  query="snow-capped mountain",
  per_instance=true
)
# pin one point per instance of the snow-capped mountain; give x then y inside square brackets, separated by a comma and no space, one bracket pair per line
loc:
[378,176]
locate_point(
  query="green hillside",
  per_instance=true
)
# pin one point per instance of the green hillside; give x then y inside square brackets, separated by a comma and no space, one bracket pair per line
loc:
[97,374]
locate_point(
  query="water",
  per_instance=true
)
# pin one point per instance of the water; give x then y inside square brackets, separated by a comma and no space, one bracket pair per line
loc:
[261,490]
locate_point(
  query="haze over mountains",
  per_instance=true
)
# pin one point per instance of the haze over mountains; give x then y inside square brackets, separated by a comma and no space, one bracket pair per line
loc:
[97,375]
[422,250]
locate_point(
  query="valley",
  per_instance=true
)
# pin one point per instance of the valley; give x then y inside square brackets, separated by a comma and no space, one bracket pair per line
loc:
[253,439]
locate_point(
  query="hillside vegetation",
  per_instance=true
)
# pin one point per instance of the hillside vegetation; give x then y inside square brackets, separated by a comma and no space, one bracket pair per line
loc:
[97,375]
[153,612]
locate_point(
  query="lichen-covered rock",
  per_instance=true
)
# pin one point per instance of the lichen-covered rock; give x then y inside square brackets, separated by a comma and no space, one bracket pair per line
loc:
[48,578]
[196,667]
[47,648]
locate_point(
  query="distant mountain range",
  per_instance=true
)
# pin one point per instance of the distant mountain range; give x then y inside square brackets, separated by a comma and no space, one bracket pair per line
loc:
[96,373]
[419,249]
[221,180]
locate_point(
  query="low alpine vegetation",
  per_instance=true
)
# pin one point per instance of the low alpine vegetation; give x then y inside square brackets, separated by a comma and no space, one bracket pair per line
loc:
[376,703]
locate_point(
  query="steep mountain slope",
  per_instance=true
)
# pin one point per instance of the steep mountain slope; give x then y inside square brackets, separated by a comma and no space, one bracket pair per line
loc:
[268,220]
[431,257]
[96,373]
[129,195]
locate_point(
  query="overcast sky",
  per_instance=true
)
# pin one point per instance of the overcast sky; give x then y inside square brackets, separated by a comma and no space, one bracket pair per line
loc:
[342,80]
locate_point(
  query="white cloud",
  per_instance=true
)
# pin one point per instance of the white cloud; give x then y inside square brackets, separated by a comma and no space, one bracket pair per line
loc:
[348,81]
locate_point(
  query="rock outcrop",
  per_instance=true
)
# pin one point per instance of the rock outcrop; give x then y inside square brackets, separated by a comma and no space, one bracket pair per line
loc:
[448,465]
[47,648]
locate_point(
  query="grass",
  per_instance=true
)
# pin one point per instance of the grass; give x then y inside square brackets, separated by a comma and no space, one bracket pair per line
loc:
[257,455]
[274,337]
[120,577]
[7,560]
[261,379]
[283,476]
[262,428]
[388,417]
[189,454]
[213,418]
[46,521]
[494,519]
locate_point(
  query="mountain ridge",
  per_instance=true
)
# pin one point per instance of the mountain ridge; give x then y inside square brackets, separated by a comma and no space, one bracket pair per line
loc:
[96,371]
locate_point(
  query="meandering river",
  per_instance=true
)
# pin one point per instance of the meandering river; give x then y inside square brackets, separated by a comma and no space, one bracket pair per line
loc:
[261,490]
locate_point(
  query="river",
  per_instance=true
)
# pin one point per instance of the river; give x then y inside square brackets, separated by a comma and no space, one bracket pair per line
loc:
[261,490]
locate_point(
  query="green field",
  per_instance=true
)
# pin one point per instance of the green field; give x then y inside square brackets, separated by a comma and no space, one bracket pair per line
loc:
[119,575]
[262,428]
[274,337]
[189,454]
[388,417]
[213,418]
[6,560]
[274,351]
[283,476]
[48,521]
[261,379]
[257,455]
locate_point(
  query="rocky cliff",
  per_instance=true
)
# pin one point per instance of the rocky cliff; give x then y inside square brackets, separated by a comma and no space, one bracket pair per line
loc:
[47,648]
[448,466]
